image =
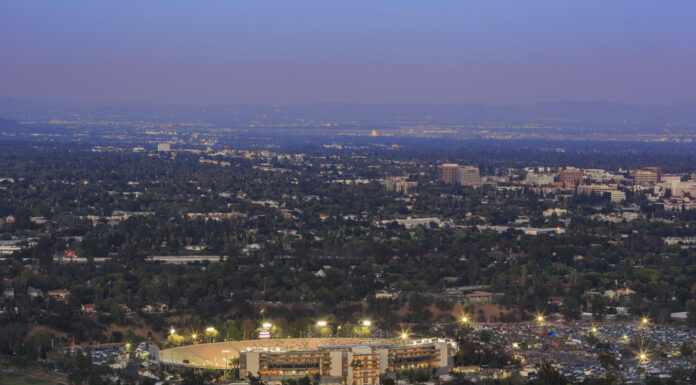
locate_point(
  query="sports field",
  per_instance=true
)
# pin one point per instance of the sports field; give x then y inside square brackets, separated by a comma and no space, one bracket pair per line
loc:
[212,356]
[29,378]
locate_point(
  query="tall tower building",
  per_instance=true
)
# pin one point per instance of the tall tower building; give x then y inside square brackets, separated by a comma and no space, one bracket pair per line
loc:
[468,176]
[449,172]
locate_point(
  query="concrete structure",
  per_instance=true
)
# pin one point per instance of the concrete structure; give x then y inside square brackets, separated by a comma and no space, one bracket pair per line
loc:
[448,172]
[347,364]
[410,223]
[617,196]
[656,170]
[483,297]
[468,176]
[398,184]
[598,189]
[645,177]
[164,147]
[539,179]
[570,176]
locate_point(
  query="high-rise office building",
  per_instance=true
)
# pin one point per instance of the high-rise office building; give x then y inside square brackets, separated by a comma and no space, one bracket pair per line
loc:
[656,170]
[468,176]
[448,172]
[645,177]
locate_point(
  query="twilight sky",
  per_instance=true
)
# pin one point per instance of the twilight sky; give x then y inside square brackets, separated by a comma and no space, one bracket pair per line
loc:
[371,51]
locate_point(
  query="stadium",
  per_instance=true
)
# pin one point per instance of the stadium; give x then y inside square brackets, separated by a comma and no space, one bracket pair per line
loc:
[212,355]
[333,360]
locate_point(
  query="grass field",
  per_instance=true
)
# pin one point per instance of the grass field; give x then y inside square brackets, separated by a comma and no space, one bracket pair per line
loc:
[7,378]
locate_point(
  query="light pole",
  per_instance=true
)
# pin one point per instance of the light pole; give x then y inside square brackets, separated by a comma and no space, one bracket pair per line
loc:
[227,362]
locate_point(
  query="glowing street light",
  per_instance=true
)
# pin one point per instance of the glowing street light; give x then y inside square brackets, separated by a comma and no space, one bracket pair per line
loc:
[404,336]
[267,325]
[321,324]
[210,329]
[540,319]
[193,336]
[465,319]
[172,331]
[625,337]
[515,345]
[367,323]
[645,321]
[594,330]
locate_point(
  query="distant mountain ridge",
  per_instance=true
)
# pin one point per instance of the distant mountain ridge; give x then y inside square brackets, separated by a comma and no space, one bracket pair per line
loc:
[573,114]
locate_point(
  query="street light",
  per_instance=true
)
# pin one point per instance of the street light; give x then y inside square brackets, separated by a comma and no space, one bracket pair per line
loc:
[321,324]
[465,319]
[367,323]
[227,362]
[645,321]
[515,345]
[210,329]
[267,325]
[172,331]
[404,336]
[540,319]
[594,330]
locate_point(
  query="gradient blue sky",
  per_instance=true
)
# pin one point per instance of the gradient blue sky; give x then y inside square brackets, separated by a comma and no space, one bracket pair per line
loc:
[297,51]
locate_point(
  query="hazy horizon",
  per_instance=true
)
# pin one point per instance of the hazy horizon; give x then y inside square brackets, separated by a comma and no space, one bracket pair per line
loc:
[306,52]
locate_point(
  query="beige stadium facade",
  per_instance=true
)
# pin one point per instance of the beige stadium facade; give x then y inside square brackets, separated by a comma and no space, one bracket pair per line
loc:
[334,360]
